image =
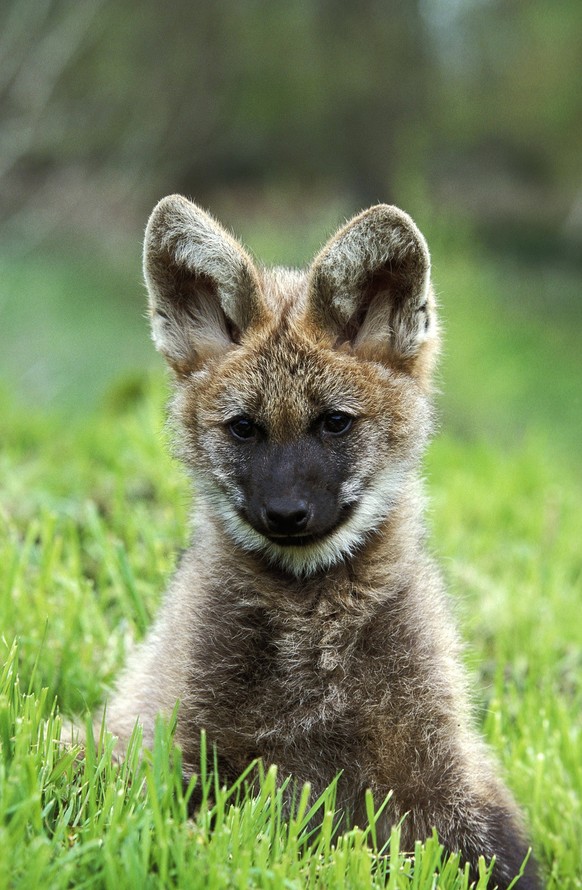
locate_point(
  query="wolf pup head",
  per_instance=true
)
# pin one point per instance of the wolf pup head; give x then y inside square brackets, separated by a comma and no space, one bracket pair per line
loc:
[301,398]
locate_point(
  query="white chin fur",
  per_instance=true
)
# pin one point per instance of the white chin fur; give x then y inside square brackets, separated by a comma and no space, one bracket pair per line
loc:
[373,506]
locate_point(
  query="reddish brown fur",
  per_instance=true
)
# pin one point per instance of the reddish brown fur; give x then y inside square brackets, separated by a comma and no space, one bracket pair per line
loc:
[338,658]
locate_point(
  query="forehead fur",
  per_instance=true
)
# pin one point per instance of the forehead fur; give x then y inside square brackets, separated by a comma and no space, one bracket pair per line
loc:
[285,376]
[284,290]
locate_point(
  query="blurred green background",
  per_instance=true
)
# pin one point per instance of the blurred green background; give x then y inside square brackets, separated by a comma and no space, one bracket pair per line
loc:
[284,119]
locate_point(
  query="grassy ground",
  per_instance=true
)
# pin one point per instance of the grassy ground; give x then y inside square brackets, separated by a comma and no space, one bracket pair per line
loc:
[93,510]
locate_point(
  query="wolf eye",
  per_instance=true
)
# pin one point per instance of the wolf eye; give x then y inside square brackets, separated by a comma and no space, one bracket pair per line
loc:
[242,428]
[336,423]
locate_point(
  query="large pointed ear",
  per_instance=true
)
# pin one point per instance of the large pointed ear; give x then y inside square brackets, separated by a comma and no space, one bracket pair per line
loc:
[370,288]
[203,287]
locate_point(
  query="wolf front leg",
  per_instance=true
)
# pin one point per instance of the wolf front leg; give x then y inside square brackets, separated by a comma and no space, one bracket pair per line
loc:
[487,824]
[492,830]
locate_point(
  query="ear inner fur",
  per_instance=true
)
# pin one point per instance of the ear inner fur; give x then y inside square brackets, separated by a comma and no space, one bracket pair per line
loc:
[203,287]
[370,286]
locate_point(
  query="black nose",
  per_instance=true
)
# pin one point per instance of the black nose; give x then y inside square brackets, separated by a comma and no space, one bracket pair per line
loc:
[284,516]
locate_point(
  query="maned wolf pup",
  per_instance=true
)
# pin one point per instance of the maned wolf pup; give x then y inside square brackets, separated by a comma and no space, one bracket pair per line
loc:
[307,624]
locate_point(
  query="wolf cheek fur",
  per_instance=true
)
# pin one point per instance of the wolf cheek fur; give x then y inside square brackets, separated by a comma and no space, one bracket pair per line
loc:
[306,623]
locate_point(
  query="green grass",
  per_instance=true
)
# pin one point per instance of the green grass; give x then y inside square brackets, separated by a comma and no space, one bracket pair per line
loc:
[93,512]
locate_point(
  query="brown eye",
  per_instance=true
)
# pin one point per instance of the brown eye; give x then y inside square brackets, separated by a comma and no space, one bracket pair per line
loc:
[242,428]
[336,423]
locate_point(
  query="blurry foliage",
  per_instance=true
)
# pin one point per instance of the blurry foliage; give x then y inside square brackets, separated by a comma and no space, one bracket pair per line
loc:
[510,116]
[470,106]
